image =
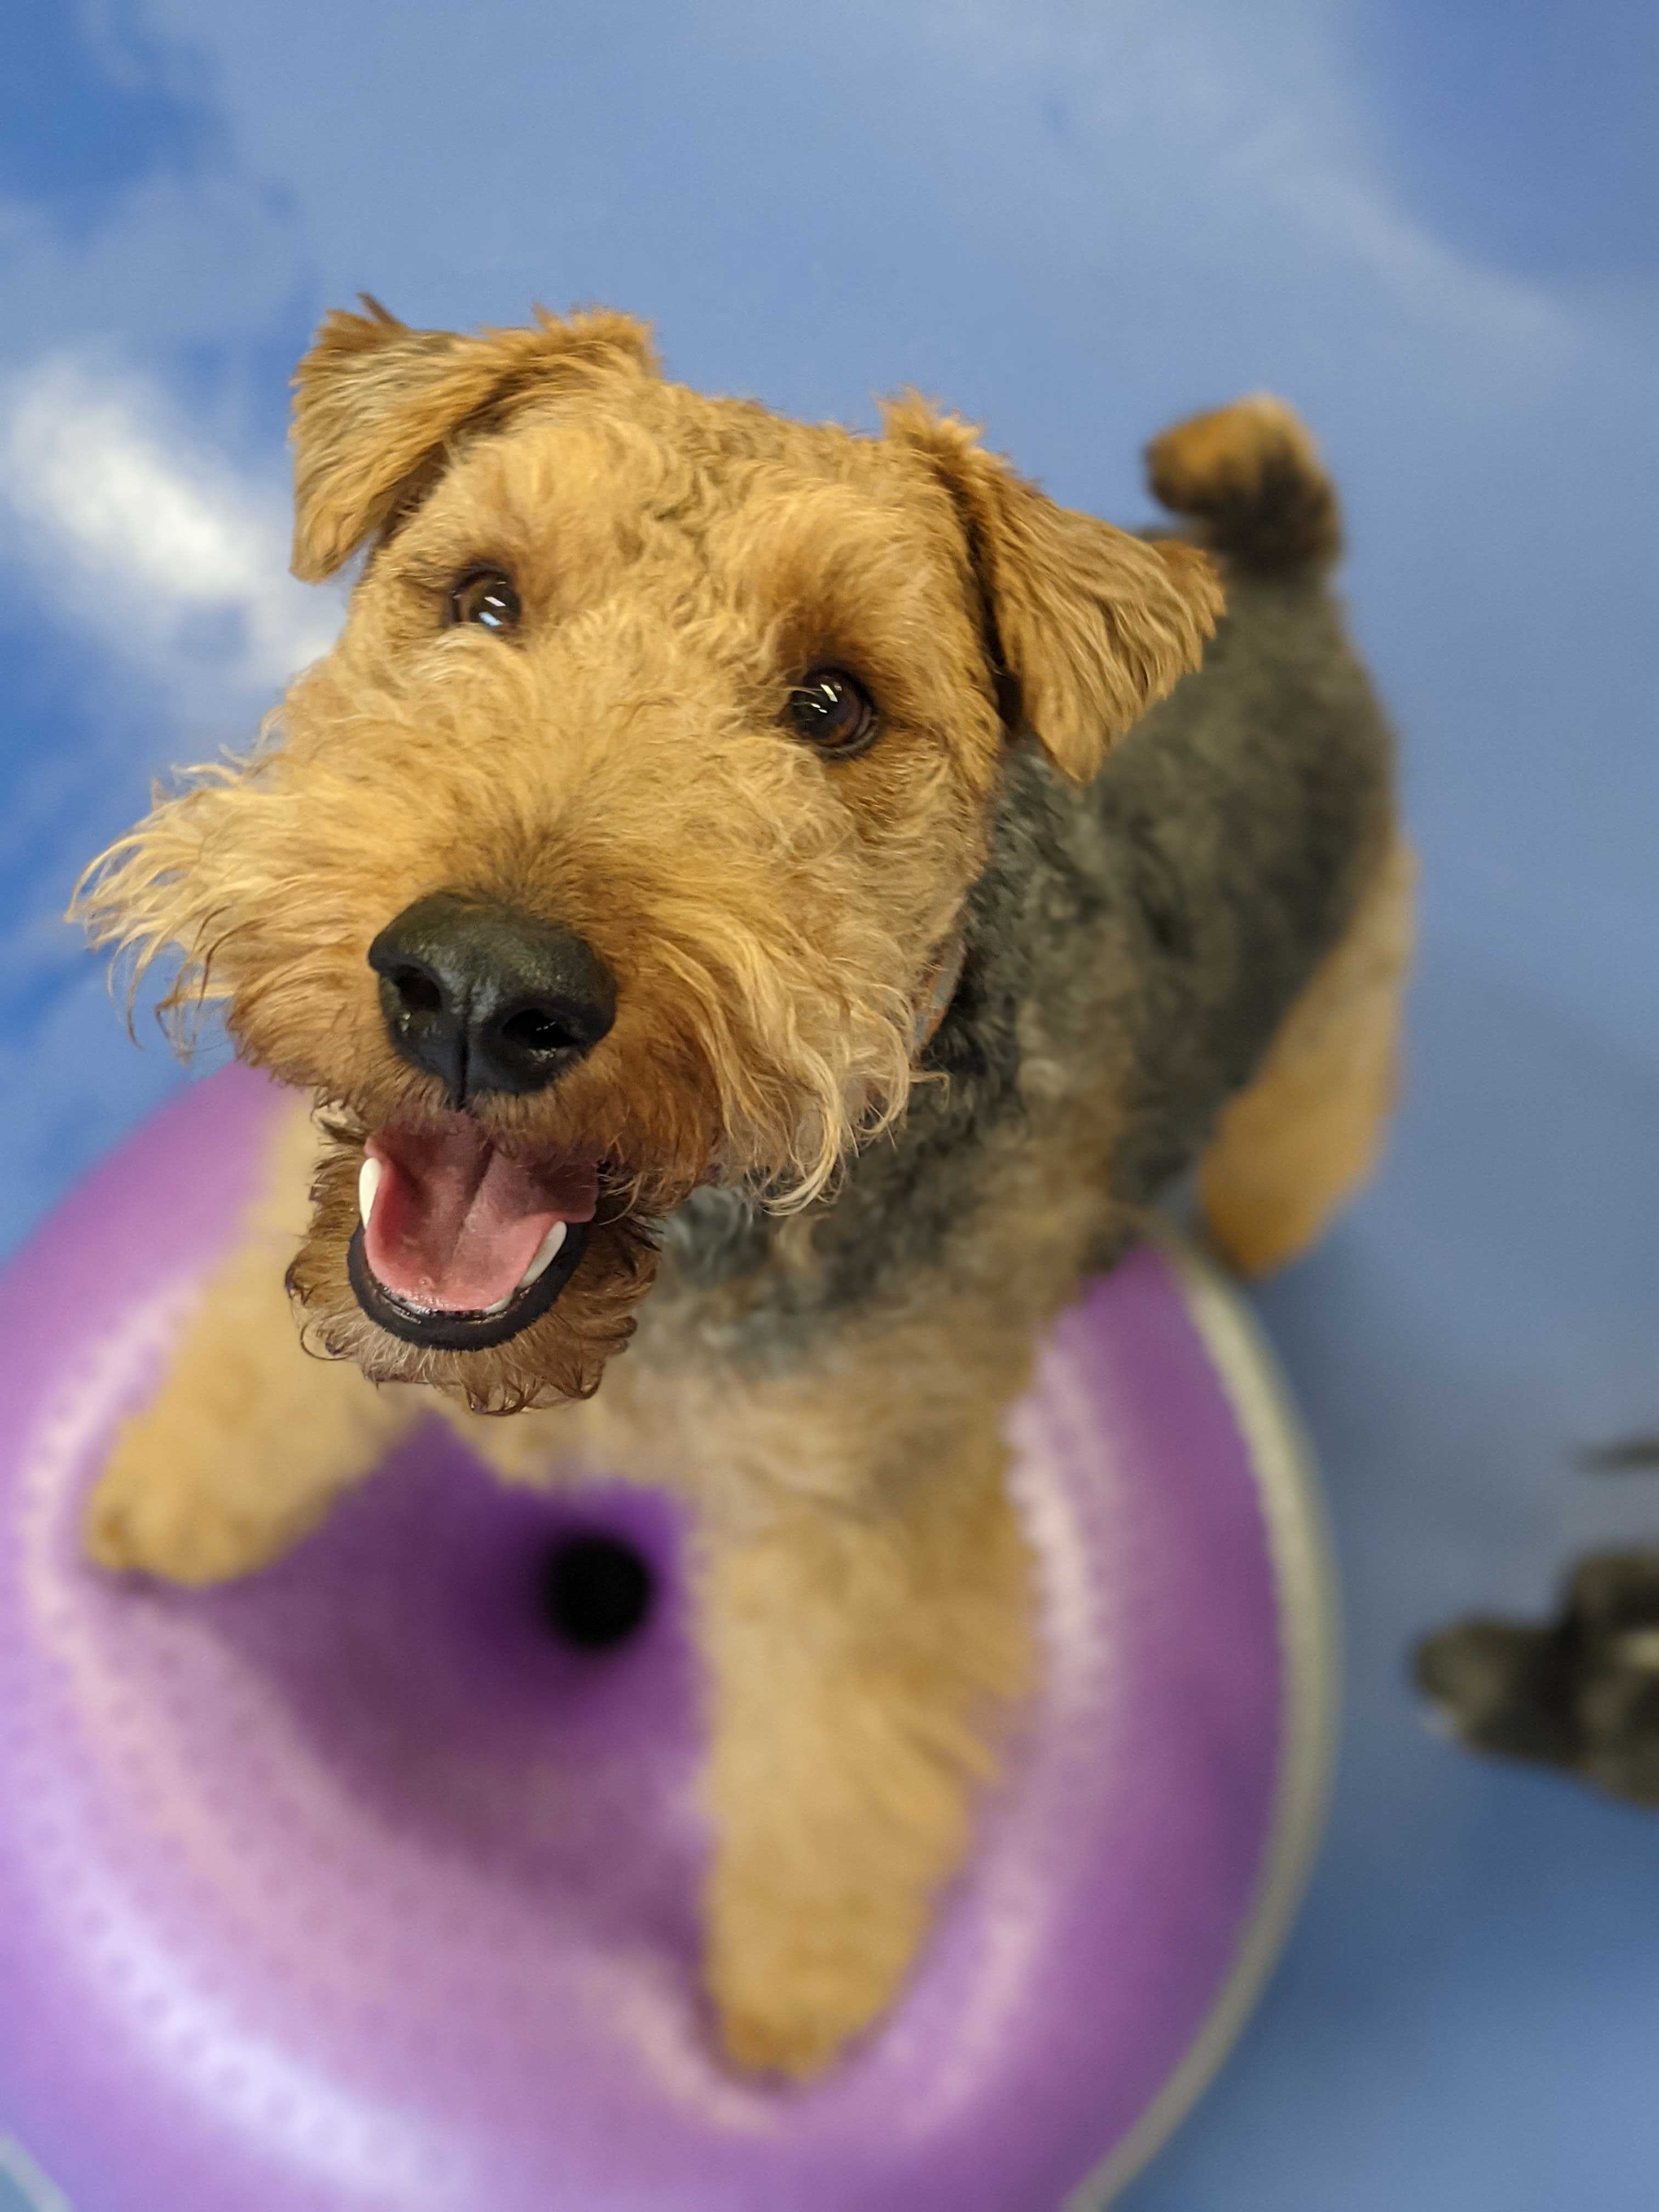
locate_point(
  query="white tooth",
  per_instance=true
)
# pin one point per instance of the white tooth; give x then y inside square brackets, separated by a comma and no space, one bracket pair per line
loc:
[547,1252]
[369,1182]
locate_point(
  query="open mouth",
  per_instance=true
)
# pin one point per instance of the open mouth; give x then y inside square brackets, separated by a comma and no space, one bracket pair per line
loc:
[461,1245]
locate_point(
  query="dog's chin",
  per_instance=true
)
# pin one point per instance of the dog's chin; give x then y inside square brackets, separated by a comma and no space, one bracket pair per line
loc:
[540,1335]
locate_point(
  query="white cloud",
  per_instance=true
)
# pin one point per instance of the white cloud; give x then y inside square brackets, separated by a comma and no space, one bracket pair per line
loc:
[1242,141]
[157,549]
[161,561]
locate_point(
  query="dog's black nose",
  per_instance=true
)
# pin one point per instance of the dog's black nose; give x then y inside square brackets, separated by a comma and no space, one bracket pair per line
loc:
[487,997]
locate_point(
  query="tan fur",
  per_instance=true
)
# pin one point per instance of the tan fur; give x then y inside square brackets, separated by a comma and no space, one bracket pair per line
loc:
[1090,624]
[247,1442]
[862,1669]
[1305,1136]
[376,404]
[861,1592]
[864,1604]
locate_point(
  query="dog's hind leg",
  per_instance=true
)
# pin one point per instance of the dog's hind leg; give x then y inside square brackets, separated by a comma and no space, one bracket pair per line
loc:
[1304,1135]
[247,1440]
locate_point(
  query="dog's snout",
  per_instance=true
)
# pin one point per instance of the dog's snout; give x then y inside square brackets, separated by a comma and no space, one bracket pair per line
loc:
[488,998]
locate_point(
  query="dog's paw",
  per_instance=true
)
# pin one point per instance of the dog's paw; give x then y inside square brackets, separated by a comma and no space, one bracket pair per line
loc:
[179,1530]
[791,2008]
[796,2033]
[794,2051]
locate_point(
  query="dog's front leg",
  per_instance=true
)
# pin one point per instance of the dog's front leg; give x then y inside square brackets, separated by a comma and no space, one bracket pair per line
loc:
[860,1666]
[246,1440]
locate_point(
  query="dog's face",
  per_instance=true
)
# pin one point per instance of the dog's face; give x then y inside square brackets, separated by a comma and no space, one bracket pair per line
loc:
[618,843]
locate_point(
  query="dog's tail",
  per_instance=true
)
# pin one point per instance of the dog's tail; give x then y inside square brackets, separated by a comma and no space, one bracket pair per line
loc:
[1251,478]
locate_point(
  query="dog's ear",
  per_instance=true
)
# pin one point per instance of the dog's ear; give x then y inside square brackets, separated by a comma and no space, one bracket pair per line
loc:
[1090,624]
[376,403]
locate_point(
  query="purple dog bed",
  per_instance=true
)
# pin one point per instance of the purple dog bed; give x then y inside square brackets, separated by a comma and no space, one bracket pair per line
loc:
[352,1886]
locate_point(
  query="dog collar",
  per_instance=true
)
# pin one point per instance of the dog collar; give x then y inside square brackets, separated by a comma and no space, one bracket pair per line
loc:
[939,988]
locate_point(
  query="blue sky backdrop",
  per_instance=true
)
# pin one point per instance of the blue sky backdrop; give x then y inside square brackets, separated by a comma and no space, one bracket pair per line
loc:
[1434,230]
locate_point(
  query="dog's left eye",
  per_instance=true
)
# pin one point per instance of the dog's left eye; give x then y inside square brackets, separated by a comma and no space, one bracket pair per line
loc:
[833,711]
[485,597]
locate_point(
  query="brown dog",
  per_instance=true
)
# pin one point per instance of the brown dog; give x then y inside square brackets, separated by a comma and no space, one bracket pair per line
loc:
[713,864]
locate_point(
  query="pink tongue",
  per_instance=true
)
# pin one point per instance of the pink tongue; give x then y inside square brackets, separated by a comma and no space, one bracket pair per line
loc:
[455,1223]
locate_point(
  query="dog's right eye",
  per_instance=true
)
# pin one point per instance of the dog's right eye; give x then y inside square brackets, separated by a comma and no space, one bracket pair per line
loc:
[485,597]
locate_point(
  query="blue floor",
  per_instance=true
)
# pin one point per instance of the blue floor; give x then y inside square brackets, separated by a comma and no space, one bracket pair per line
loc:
[1468,2017]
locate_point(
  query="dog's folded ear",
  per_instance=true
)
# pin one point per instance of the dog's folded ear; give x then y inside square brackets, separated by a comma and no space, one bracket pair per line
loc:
[1087,623]
[377,406]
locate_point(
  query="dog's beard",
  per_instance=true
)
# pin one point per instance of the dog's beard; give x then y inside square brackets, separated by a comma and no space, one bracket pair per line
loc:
[503,1259]
[752,1051]
[560,1354]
